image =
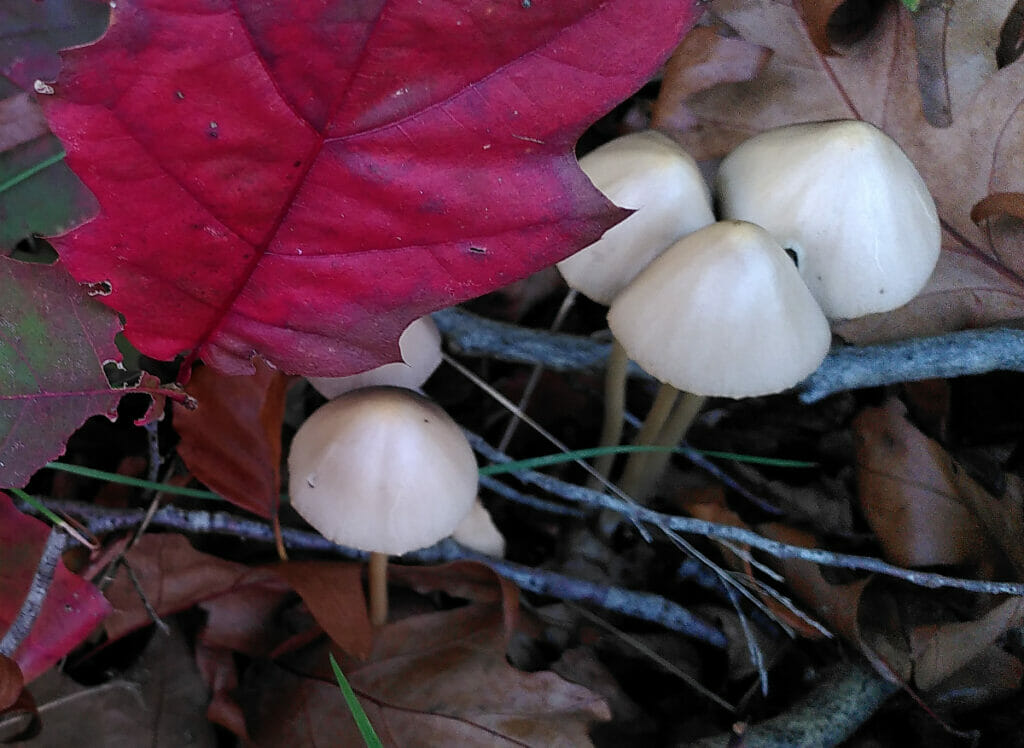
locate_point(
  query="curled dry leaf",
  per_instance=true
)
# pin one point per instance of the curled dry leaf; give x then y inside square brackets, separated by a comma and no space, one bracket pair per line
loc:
[432,679]
[704,59]
[980,276]
[232,440]
[11,682]
[940,650]
[924,509]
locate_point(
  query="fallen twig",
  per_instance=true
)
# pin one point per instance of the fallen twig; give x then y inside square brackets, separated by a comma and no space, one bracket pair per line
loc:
[47,567]
[642,605]
[827,716]
[846,368]
[588,497]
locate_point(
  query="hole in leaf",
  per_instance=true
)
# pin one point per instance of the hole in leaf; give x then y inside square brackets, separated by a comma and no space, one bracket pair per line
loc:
[851,21]
[1011,37]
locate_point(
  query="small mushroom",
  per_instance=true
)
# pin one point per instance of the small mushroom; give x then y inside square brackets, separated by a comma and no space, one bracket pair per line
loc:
[420,346]
[650,173]
[722,312]
[847,202]
[385,470]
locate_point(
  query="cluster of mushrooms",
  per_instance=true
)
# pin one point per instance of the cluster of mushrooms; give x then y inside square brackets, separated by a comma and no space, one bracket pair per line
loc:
[818,221]
[382,468]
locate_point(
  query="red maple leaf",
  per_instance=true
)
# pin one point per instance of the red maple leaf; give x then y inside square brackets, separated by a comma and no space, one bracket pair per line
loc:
[301,179]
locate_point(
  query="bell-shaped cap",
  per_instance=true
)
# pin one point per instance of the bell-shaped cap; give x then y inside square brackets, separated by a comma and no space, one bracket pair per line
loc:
[722,312]
[382,469]
[650,173]
[420,345]
[847,201]
[478,532]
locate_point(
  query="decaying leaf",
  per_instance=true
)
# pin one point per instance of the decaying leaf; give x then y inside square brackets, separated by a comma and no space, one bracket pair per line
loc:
[432,679]
[38,192]
[232,440]
[924,509]
[159,700]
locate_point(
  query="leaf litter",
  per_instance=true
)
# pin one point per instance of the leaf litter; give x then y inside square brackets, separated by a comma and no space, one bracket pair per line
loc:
[755,65]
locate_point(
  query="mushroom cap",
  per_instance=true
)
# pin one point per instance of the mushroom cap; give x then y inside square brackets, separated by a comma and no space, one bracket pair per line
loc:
[478,532]
[382,469]
[722,312]
[651,173]
[420,345]
[847,201]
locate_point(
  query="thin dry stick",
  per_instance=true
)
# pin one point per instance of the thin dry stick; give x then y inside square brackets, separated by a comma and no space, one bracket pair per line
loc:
[666,522]
[538,370]
[557,443]
[753,647]
[150,610]
[654,657]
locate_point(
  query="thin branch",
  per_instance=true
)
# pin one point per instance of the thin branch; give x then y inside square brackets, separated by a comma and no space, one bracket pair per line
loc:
[641,605]
[666,522]
[846,368]
[33,603]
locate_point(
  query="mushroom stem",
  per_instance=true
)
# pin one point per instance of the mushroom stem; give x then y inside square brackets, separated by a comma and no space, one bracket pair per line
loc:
[614,408]
[675,428]
[633,477]
[378,584]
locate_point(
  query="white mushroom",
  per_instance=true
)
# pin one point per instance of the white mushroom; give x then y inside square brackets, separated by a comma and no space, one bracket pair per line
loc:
[385,470]
[847,202]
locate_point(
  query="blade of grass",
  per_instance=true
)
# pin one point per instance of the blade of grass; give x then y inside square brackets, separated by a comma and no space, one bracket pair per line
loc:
[362,721]
[127,480]
[582,454]
[495,469]
[31,171]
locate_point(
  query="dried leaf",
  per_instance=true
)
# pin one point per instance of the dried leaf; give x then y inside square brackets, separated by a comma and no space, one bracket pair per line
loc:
[159,701]
[232,440]
[11,682]
[924,509]
[433,679]
[705,58]
[940,650]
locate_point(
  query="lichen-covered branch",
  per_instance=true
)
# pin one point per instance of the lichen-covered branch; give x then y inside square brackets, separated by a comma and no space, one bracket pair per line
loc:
[46,568]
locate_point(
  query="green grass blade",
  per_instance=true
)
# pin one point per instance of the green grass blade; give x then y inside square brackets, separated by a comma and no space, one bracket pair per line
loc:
[362,721]
[31,171]
[127,480]
[583,454]
[37,505]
